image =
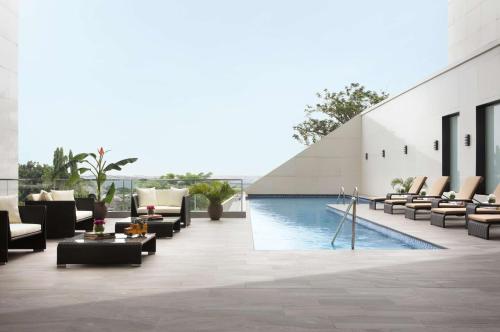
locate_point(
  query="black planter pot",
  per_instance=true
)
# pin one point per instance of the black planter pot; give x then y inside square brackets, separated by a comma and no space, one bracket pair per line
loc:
[100,210]
[215,211]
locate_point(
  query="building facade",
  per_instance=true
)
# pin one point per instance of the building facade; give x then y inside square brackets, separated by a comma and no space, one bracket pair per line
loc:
[448,124]
[8,90]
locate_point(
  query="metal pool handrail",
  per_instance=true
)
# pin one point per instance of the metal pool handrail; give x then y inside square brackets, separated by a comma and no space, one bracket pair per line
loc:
[352,205]
[341,193]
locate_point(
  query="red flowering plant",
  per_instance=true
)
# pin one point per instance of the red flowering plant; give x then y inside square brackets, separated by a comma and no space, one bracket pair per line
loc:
[99,225]
[151,209]
[99,167]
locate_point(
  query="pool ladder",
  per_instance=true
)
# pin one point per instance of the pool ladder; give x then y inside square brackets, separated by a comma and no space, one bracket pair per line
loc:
[341,194]
[352,204]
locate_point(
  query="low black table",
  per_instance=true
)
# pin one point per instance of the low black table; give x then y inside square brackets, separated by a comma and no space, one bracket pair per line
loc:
[162,228]
[121,250]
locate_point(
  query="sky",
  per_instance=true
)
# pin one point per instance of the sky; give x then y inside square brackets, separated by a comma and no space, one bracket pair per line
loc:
[198,86]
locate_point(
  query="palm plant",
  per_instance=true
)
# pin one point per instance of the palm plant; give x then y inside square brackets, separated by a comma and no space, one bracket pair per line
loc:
[403,185]
[216,192]
[99,167]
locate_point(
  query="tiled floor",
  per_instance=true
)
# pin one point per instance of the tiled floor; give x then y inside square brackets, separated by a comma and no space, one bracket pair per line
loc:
[209,278]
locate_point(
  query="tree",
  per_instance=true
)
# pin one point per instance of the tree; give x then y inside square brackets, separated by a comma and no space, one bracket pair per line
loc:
[59,165]
[33,170]
[335,109]
[187,176]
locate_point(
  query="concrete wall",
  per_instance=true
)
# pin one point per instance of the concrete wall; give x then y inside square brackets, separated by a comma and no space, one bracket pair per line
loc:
[8,90]
[472,26]
[414,118]
[321,168]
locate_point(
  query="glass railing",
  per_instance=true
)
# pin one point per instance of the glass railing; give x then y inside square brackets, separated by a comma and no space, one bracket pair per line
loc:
[124,189]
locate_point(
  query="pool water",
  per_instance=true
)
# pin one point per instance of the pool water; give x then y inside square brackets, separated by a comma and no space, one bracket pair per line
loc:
[305,223]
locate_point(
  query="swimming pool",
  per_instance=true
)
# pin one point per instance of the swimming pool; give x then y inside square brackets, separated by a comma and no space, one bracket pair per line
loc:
[305,223]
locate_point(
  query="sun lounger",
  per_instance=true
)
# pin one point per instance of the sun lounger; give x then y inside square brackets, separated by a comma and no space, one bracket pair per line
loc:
[417,203]
[479,224]
[415,188]
[442,208]
[417,185]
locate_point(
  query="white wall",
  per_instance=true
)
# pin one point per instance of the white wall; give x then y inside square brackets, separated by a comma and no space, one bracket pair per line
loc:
[8,89]
[321,168]
[472,26]
[415,119]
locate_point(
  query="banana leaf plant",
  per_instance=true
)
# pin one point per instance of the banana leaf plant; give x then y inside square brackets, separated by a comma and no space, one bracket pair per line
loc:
[99,167]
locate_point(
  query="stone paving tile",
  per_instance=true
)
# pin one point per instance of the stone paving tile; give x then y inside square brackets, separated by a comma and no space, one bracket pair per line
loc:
[209,278]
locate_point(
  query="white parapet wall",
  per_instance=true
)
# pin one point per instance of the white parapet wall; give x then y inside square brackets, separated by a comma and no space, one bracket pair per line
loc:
[472,26]
[321,168]
[8,93]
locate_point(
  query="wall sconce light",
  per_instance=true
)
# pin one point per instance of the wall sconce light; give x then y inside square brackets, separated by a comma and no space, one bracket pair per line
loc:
[467,140]
[383,153]
[366,156]
[436,145]
[405,149]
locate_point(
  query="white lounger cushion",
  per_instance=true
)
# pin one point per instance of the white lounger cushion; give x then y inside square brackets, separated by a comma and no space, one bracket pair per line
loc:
[63,195]
[9,204]
[147,196]
[160,209]
[24,229]
[169,197]
[80,215]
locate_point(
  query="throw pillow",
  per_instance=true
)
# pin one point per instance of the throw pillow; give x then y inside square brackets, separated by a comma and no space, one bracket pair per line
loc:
[147,196]
[63,195]
[10,204]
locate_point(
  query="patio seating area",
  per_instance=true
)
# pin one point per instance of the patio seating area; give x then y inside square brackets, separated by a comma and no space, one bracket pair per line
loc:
[204,281]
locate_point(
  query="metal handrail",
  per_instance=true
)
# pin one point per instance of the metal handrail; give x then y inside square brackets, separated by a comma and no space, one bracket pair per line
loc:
[344,218]
[352,204]
[341,193]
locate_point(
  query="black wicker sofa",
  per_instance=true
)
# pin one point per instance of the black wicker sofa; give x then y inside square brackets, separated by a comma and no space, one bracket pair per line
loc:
[30,234]
[183,211]
[64,217]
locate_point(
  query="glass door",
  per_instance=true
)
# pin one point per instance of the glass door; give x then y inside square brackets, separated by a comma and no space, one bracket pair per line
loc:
[492,147]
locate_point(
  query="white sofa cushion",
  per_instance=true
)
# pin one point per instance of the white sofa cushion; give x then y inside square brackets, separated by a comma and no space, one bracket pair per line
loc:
[81,215]
[10,204]
[170,197]
[45,196]
[24,229]
[33,197]
[160,209]
[63,195]
[147,196]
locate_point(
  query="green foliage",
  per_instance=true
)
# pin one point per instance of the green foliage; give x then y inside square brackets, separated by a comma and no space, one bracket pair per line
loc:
[403,185]
[187,176]
[33,170]
[60,165]
[98,167]
[216,192]
[335,109]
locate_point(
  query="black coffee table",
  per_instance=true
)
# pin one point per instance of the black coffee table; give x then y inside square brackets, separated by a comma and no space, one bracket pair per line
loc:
[162,228]
[121,250]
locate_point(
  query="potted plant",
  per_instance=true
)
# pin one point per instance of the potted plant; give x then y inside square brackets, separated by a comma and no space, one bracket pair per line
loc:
[492,198]
[452,194]
[216,192]
[403,185]
[99,167]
